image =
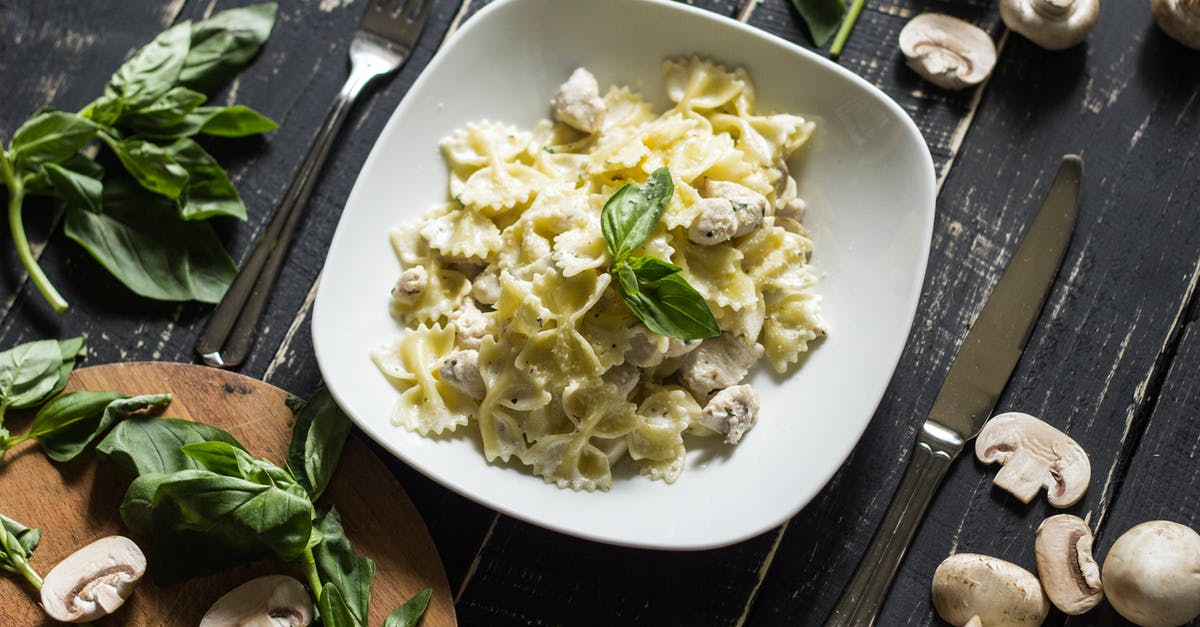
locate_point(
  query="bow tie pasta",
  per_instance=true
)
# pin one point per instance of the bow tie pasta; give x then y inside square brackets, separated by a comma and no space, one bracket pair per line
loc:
[511,320]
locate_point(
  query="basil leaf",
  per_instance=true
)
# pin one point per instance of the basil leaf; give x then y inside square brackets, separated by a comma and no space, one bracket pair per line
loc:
[630,215]
[105,110]
[50,137]
[151,165]
[149,446]
[237,121]
[29,373]
[26,539]
[209,191]
[167,110]
[649,269]
[822,17]
[137,508]
[224,43]
[67,430]
[334,610]
[147,246]
[668,305]
[78,190]
[410,613]
[318,437]
[231,511]
[232,461]
[71,349]
[153,70]
[339,566]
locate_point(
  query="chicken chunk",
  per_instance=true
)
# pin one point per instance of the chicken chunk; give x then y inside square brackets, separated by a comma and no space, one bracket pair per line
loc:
[460,370]
[410,285]
[578,104]
[718,363]
[733,411]
[485,288]
[646,349]
[470,325]
[727,210]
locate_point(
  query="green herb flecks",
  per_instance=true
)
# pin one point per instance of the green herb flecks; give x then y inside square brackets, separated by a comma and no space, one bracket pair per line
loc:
[151,106]
[653,289]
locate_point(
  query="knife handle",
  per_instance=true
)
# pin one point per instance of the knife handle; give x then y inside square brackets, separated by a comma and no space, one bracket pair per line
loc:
[935,449]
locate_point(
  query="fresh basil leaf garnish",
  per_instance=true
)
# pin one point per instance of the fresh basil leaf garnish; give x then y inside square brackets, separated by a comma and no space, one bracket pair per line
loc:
[78,190]
[167,110]
[318,437]
[340,566]
[151,165]
[148,446]
[335,612]
[224,43]
[143,242]
[50,137]
[236,121]
[822,17]
[209,191]
[67,424]
[153,70]
[630,215]
[653,289]
[410,613]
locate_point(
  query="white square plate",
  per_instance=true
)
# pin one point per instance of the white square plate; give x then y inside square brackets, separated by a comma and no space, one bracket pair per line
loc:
[868,179]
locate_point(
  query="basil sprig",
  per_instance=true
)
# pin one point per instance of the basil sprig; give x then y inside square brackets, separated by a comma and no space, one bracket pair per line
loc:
[161,248]
[17,543]
[653,289]
[208,504]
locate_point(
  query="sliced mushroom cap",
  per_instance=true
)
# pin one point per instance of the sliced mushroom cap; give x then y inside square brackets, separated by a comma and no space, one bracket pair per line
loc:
[947,51]
[968,586]
[1034,455]
[1180,19]
[93,581]
[270,601]
[1152,574]
[1069,574]
[1051,24]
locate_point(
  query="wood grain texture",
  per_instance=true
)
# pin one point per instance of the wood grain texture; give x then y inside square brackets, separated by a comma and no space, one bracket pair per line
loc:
[1120,295]
[77,502]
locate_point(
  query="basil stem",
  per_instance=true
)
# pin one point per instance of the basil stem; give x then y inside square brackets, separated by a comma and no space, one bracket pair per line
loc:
[16,196]
[310,571]
[839,40]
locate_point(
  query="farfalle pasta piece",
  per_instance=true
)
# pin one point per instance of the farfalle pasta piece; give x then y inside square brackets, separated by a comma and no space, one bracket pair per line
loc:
[461,234]
[696,83]
[715,272]
[426,404]
[481,143]
[793,320]
[656,444]
[500,187]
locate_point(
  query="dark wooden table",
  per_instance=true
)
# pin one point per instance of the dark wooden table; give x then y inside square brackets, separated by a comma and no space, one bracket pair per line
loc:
[1114,359]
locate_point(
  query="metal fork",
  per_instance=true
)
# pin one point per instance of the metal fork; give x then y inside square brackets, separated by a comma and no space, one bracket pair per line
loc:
[385,37]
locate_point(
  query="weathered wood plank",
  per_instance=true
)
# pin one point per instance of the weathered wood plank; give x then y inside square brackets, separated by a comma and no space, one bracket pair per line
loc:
[1161,481]
[1126,100]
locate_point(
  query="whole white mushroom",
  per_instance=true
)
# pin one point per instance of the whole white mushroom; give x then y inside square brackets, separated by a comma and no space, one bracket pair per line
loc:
[1152,574]
[1180,19]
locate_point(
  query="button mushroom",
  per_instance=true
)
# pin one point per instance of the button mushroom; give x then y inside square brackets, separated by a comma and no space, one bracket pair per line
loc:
[1152,574]
[1051,24]
[970,587]
[1069,574]
[947,51]
[271,601]
[1034,454]
[93,581]
[1180,19]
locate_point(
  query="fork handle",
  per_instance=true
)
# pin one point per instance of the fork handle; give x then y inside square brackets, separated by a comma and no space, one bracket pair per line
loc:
[859,605]
[229,334]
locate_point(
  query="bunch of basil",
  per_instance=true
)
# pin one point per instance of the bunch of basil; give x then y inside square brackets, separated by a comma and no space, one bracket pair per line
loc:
[148,225]
[208,504]
[825,18]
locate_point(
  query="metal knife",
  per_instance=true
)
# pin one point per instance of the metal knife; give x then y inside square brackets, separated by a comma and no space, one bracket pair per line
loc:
[974,383]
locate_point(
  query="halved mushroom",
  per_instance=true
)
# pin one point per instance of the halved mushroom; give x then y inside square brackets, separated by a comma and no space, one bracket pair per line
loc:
[93,581]
[270,601]
[1152,574]
[1069,574]
[947,51]
[1034,455]
[1180,19]
[1051,24]
[971,587]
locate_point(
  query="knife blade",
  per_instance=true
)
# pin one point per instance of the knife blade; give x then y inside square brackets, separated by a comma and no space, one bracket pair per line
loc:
[976,378]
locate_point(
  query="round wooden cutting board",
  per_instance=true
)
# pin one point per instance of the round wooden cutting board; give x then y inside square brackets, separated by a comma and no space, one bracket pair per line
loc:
[76,503]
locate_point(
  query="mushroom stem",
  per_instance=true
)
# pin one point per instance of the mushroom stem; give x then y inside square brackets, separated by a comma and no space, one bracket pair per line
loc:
[310,572]
[1053,8]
